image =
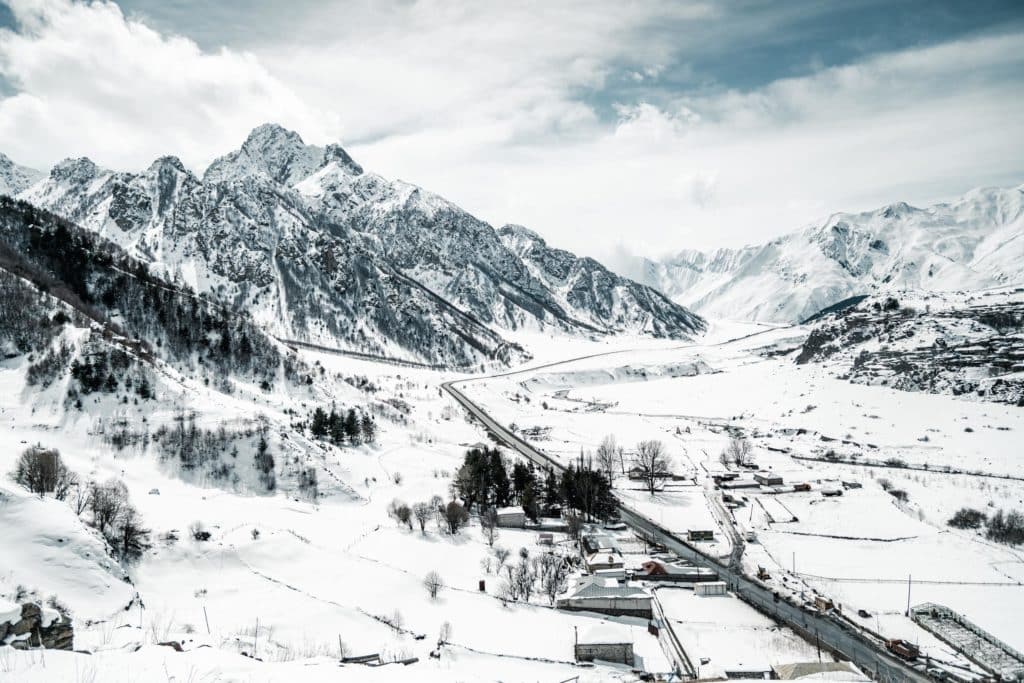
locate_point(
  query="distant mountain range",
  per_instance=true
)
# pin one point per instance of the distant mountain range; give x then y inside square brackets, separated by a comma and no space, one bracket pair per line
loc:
[319,250]
[974,243]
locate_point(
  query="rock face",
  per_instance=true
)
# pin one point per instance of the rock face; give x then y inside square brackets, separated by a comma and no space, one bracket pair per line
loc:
[972,243]
[36,626]
[321,251]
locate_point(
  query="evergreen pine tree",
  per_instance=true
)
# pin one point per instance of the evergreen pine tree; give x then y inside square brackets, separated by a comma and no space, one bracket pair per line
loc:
[352,427]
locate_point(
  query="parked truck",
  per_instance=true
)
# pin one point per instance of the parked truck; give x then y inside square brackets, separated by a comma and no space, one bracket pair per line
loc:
[903,649]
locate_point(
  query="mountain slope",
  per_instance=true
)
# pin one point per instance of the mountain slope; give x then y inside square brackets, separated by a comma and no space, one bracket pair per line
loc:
[256,245]
[320,251]
[584,284]
[963,344]
[15,178]
[975,242]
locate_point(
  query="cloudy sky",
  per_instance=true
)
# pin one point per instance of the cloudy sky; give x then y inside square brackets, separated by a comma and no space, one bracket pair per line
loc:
[611,128]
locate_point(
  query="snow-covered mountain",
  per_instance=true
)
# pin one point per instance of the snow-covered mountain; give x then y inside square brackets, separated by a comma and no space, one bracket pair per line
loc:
[318,250]
[584,284]
[15,178]
[975,242]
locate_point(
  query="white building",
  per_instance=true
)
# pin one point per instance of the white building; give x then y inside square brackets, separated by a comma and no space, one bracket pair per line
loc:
[608,596]
[511,517]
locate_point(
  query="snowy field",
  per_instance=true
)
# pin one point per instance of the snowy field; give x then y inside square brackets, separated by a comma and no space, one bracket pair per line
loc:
[857,549]
[297,582]
[319,577]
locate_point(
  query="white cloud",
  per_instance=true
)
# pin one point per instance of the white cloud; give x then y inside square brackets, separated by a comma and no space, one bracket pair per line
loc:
[736,167]
[92,83]
[491,104]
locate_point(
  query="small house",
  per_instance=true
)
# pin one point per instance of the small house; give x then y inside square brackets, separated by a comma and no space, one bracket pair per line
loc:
[738,484]
[511,517]
[656,570]
[768,479]
[604,559]
[608,596]
[595,541]
[710,588]
[606,643]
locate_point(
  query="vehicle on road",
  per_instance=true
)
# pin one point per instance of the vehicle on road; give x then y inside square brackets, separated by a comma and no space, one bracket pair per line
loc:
[903,649]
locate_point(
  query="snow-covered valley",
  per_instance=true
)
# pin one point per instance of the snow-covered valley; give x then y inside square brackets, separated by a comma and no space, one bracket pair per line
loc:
[291,420]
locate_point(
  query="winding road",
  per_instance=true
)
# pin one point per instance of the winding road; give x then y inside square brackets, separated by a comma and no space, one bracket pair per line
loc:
[832,633]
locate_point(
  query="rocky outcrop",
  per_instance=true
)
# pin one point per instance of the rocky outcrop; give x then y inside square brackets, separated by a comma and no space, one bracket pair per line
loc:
[31,625]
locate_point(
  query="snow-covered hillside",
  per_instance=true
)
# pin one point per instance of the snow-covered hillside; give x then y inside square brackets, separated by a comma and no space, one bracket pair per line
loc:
[973,243]
[318,250]
[15,178]
[969,345]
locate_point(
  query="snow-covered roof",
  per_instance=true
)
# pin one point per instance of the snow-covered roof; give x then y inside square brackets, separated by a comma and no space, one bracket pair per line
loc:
[605,556]
[514,510]
[606,634]
[600,587]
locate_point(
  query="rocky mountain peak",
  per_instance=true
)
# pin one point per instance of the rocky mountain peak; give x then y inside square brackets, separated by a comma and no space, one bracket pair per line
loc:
[520,239]
[334,152]
[167,164]
[279,154]
[80,170]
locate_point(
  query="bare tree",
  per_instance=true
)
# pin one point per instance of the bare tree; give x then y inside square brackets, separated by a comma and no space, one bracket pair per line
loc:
[42,471]
[81,497]
[422,512]
[401,512]
[437,505]
[554,575]
[738,451]
[433,583]
[131,539]
[501,557]
[489,525]
[505,593]
[574,525]
[106,501]
[652,464]
[607,456]
[523,578]
[445,634]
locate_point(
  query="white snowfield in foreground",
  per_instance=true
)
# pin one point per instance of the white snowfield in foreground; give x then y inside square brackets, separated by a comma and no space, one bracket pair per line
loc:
[331,575]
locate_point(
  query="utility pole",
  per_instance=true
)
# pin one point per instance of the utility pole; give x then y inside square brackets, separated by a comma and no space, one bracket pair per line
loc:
[908,595]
